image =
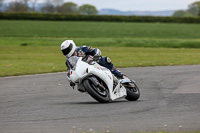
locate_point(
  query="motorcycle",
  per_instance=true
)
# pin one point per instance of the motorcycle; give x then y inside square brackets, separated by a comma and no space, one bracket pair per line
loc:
[99,82]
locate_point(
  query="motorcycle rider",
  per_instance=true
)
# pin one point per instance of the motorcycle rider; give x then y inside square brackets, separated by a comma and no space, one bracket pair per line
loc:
[68,47]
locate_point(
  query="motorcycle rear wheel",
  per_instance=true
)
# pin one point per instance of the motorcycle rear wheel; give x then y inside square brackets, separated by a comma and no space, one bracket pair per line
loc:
[133,93]
[102,96]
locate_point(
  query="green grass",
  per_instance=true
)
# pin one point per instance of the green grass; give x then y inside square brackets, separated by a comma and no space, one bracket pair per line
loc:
[17,60]
[103,42]
[28,47]
[97,29]
[20,60]
[100,34]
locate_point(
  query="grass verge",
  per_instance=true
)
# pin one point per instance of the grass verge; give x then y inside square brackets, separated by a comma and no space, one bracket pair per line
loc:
[51,33]
[103,42]
[29,47]
[20,60]
[97,29]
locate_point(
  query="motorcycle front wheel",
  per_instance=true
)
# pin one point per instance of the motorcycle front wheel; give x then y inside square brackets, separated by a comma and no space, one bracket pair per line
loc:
[133,93]
[101,94]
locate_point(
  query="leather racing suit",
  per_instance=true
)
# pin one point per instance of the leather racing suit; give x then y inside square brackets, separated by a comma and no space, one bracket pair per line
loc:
[86,52]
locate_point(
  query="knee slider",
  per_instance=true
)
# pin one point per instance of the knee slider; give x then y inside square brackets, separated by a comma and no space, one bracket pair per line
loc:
[108,60]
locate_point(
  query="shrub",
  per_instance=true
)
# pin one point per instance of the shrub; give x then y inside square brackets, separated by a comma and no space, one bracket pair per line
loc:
[109,18]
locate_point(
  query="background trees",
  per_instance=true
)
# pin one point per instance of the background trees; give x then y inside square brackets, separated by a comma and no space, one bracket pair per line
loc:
[182,13]
[1,3]
[68,7]
[58,6]
[88,9]
[33,5]
[48,6]
[17,6]
[192,11]
[58,2]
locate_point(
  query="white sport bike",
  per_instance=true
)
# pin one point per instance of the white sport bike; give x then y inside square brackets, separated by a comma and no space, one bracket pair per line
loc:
[99,82]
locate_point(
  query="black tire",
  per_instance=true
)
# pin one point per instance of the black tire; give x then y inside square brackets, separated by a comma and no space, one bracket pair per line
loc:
[133,93]
[100,96]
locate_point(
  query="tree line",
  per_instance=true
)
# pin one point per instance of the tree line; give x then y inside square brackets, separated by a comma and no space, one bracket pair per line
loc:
[192,11]
[49,6]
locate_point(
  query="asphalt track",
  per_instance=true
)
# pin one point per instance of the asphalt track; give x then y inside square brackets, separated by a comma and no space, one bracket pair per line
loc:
[45,103]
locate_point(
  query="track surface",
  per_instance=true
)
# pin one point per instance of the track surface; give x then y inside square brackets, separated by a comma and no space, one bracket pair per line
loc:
[170,101]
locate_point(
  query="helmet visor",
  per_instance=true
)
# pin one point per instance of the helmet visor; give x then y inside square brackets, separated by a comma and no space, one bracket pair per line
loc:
[67,50]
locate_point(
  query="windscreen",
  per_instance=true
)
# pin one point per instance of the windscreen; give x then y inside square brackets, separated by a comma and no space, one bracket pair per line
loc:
[72,61]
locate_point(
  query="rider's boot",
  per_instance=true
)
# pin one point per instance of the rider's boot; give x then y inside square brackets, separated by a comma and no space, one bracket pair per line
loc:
[118,74]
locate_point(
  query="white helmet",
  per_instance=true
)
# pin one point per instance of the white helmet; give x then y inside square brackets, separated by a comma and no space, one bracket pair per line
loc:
[68,48]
